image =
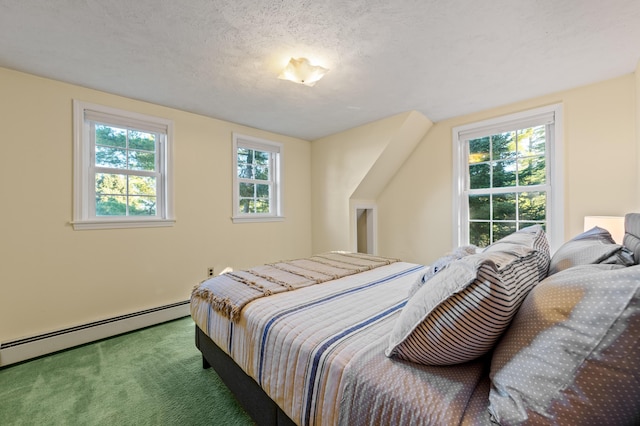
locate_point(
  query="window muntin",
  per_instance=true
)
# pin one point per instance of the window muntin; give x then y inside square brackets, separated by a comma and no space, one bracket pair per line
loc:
[126,171]
[507,176]
[256,181]
[122,167]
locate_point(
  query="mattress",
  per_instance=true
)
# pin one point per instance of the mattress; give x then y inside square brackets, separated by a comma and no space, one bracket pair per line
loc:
[318,352]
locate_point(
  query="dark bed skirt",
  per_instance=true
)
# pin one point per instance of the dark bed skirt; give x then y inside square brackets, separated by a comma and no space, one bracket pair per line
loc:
[250,395]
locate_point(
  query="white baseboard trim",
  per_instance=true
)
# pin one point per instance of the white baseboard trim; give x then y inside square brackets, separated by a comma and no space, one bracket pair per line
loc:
[32,347]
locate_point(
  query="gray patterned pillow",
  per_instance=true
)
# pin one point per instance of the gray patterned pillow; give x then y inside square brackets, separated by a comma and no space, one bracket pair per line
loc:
[460,313]
[632,234]
[590,247]
[571,354]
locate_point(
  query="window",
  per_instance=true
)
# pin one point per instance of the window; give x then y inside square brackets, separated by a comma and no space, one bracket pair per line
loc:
[122,166]
[256,180]
[507,177]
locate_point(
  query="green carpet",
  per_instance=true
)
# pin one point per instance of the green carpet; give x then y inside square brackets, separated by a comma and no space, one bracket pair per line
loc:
[152,376]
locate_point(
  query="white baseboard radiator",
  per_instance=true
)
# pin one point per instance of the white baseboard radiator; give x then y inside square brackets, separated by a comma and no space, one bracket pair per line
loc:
[31,347]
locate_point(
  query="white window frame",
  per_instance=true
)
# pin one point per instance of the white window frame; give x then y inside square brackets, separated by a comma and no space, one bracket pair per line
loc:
[276,151]
[84,216]
[551,115]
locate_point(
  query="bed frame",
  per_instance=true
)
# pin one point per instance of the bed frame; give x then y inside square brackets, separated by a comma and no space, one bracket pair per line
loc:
[250,395]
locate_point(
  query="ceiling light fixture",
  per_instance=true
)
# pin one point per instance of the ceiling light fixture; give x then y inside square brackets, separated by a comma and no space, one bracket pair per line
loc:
[301,71]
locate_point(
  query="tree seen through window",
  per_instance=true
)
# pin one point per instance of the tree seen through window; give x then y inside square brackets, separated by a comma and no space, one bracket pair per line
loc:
[254,177]
[125,179]
[506,177]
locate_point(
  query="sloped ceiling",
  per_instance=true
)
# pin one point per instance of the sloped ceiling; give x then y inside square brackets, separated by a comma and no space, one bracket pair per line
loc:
[222,58]
[397,149]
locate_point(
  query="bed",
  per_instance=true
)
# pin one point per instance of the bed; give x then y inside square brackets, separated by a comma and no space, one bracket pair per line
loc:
[351,339]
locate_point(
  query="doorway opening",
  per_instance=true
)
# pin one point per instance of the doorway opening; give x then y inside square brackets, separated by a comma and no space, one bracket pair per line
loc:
[365,230]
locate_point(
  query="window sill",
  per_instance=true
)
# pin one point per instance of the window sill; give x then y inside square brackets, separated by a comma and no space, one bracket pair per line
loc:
[120,224]
[255,219]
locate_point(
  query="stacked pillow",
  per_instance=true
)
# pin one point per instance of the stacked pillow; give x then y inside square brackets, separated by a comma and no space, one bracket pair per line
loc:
[568,342]
[632,234]
[571,354]
[461,312]
[440,264]
[593,246]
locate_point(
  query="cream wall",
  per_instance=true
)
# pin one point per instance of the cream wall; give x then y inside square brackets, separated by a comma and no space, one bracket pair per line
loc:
[600,170]
[415,209]
[350,169]
[340,163]
[52,277]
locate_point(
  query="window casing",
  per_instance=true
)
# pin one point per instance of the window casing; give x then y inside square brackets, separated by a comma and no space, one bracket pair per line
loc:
[257,186]
[122,169]
[507,175]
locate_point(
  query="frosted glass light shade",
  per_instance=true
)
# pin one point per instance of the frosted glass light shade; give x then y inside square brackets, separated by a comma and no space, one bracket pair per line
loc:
[613,224]
[302,72]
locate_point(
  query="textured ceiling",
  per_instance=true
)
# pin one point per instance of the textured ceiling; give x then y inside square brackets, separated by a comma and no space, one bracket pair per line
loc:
[222,58]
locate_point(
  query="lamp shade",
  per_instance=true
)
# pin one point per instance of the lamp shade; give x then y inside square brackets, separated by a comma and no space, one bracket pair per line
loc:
[302,71]
[613,224]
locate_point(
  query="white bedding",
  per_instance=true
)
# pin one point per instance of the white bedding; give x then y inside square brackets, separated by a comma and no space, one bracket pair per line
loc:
[318,352]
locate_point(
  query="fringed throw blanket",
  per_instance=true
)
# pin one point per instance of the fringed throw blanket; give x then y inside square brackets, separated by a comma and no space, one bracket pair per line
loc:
[229,293]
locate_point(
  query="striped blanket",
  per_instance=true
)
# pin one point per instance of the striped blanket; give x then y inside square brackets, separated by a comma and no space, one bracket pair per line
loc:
[319,353]
[230,292]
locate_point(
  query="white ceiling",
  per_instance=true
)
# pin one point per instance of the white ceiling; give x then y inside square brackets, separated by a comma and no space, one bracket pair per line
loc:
[221,58]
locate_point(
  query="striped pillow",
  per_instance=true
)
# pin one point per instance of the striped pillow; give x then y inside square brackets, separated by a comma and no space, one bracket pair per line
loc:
[461,312]
[532,237]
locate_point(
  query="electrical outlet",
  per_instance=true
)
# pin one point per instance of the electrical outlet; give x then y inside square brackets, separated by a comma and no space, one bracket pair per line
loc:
[210,271]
